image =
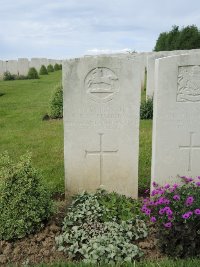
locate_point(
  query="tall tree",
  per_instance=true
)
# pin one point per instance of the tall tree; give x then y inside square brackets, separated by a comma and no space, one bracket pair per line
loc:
[186,38]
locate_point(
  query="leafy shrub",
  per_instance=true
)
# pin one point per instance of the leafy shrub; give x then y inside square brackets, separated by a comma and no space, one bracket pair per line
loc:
[7,76]
[33,74]
[60,66]
[56,67]
[88,235]
[43,70]
[50,68]
[56,103]
[118,206]
[25,204]
[146,109]
[176,212]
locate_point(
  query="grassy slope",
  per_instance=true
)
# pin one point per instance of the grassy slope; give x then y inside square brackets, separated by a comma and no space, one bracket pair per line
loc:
[21,129]
[21,126]
[159,263]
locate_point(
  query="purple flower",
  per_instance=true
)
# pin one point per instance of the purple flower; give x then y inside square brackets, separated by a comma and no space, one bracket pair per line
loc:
[153,219]
[188,180]
[176,197]
[168,225]
[147,212]
[167,186]
[198,177]
[160,200]
[175,186]
[144,208]
[187,215]
[145,200]
[198,183]
[169,212]
[189,201]
[166,208]
[154,192]
[166,201]
[161,211]
[161,191]
[197,211]
[155,184]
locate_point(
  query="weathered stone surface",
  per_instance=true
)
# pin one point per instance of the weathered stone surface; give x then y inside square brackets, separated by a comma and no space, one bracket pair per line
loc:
[151,58]
[35,63]
[176,128]
[44,61]
[23,66]
[101,124]
[12,66]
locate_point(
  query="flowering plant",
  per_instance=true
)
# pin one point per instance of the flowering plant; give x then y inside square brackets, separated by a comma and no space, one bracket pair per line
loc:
[175,210]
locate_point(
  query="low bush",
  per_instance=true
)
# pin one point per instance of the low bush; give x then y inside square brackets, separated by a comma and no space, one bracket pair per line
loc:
[33,74]
[56,103]
[146,109]
[50,68]
[43,70]
[89,234]
[56,67]
[25,204]
[175,210]
[7,76]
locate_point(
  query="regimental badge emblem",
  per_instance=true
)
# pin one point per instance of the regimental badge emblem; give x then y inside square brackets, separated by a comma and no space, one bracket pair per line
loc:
[188,84]
[101,84]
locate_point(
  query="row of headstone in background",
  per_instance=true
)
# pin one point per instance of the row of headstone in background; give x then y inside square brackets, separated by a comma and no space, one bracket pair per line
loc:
[101,104]
[22,65]
[150,66]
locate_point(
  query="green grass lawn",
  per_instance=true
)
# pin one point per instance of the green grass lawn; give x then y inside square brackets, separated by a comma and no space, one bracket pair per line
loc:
[22,107]
[159,263]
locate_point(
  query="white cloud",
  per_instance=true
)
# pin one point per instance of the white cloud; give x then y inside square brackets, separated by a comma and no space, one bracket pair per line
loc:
[70,28]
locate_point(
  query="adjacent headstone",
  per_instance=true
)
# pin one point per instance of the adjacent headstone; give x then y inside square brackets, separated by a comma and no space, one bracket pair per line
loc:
[150,84]
[35,63]
[176,127]
[101,124]
[44,61]
[23,66]
[12,66]
[52,62]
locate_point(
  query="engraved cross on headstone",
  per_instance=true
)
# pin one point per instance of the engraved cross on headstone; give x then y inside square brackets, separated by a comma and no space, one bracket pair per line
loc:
[100,153]
[190,148]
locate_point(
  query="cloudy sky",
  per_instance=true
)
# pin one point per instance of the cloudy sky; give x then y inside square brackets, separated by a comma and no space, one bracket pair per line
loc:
[71,28]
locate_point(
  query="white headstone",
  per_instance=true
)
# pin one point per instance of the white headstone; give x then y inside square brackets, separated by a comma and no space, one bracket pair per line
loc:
[150,85]
[35,63]
[176,127]
[52,62]
[23,66]
[151,66]
[101,124]
[12,66]
[44,61]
